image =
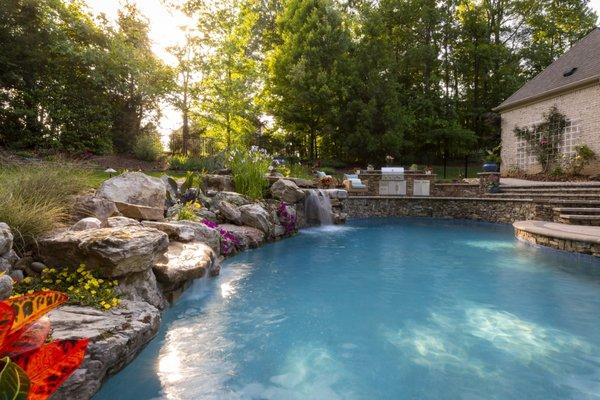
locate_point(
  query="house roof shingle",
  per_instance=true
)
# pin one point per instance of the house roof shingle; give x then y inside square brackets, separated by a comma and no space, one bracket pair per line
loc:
[583,55]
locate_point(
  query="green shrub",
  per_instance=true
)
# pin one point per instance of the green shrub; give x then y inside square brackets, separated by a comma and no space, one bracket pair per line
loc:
[249,169]
[188,211]
[296,171]
[180,162]
[148,147]
[82,286]
[35,199]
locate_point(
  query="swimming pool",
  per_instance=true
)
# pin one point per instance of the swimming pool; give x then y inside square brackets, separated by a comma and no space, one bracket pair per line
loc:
[381,309]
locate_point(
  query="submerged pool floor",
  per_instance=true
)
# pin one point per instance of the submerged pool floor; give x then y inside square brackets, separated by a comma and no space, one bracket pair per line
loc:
[381,309]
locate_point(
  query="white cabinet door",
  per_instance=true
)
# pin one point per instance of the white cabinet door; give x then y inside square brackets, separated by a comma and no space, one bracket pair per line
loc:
[421,188]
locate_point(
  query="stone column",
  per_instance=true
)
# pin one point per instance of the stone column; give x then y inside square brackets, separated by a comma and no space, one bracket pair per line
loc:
[489,182]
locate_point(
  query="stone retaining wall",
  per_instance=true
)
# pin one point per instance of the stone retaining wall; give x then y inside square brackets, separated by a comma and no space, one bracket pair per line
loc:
[573,246]
[483,209]
[455,190]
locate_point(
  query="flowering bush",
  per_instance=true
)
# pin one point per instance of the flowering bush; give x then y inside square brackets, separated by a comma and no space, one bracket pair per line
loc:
[545,138]
[82,286]
[188,211]
[287,218]
[228,240]
[249,169]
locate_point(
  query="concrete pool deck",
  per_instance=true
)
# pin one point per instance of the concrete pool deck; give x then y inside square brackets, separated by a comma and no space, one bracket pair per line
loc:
[573,238]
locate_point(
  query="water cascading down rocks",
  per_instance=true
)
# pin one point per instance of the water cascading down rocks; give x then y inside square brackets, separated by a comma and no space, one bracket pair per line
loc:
[317,207]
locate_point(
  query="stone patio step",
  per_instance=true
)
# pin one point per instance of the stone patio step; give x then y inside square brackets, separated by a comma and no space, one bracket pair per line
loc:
[552,190]
[580,219]
[537,185]
[573,238]
[577,210]
[536,195]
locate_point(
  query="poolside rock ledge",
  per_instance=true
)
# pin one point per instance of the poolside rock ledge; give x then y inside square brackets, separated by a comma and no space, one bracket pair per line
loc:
[112,252]
[116,337]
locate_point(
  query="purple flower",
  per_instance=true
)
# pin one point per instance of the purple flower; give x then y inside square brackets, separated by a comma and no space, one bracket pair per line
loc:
[287,219]
[229,241]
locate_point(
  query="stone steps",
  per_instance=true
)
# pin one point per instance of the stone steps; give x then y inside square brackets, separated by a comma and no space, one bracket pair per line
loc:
[579,219]
[577,210]
[568,190]
[544,195]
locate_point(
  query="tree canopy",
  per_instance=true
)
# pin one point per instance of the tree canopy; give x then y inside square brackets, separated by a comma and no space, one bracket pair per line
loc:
[351,81]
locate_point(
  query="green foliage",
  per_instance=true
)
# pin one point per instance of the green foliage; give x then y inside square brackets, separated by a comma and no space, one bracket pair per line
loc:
[212,163]
[493,155]
[73,83]
[83,287]
[188,211]
[583,157]
[35,199]
[148,147]
[14,382]
[249,169]
[545,138]
[296,171]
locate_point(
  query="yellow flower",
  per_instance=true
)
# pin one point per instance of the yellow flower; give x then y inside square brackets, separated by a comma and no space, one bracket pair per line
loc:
[28,280]
[30,291]
[93,292]
[106,306]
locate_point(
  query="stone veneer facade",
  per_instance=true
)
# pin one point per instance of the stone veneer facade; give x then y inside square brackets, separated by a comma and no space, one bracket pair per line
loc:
[582,108]
[491,210]
[573,246]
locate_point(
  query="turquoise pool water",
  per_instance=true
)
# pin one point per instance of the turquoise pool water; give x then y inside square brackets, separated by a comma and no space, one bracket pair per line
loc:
[381,309]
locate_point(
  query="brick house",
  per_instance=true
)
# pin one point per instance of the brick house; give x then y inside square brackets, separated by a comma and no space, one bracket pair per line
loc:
[572,84]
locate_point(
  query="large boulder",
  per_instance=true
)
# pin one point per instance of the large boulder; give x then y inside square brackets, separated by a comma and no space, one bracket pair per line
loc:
[112,252]
[188,231]
[142,286]
[287,191]
[134,188]
[6,238]
[6,286]
[229,212]
[184,262]
[246,236]
[255,216]
[116,337]
[136,195]
[89,205]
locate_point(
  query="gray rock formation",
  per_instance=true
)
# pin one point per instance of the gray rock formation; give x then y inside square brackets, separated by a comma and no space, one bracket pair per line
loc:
[218,182]
[116,222]
[184,262]
[87,223]
[6,238]
[142,286]
[116,337]
[134,188]
[247,236]
[136,195]
[188,231]
[231,197]
[255,216]
[229,212]
[94,206]
[287,191]
[112,252]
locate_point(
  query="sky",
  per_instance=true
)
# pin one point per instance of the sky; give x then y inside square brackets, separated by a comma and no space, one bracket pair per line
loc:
[165,31]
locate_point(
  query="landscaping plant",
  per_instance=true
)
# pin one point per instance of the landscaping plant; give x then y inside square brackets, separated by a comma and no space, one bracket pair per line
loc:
[148,147]
[545,138]
[249,169]
[228,240]
[83,286]
[287,218]
[30,367]
[34,199]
